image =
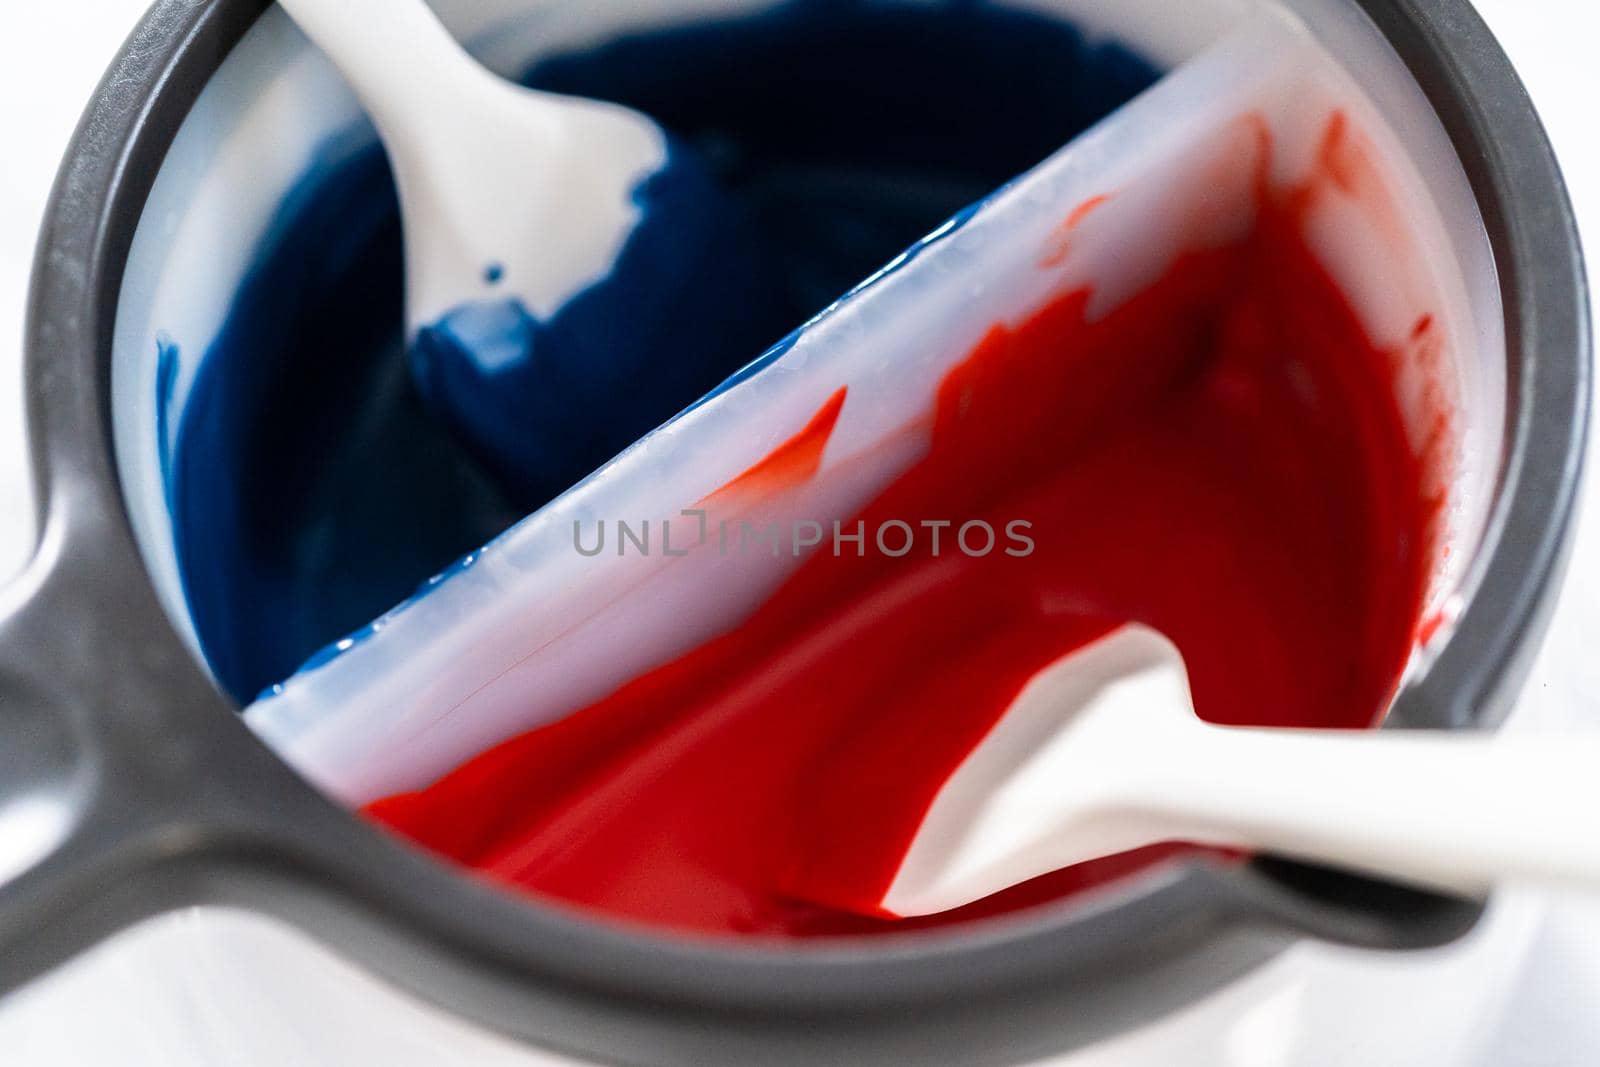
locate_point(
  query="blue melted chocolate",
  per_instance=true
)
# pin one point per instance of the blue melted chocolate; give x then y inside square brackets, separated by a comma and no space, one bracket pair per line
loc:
[311,488]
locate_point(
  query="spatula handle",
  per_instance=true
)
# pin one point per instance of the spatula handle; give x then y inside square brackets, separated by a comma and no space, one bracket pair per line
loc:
[404,65]
[1450,811]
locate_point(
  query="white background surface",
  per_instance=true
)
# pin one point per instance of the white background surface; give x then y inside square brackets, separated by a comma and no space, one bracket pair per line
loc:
[160,995]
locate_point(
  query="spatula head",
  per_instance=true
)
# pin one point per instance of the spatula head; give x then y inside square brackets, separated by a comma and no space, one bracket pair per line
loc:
[1040,792]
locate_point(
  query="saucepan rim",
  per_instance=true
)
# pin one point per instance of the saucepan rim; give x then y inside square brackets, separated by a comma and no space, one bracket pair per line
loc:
[174,801]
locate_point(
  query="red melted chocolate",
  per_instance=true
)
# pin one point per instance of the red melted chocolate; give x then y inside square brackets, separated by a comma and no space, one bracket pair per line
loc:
[1220,458]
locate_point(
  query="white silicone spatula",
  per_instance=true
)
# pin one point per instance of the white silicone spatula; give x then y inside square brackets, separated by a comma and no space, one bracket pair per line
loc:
[562,254]
[499,185]
[1103,753]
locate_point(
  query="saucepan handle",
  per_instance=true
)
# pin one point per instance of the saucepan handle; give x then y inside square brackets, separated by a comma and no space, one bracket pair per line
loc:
[96,810]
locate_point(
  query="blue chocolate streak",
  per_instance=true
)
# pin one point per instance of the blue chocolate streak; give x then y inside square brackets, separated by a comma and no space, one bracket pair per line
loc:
[310,487]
